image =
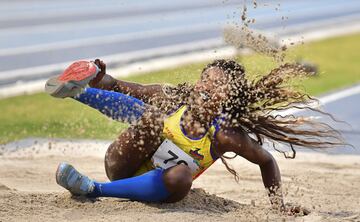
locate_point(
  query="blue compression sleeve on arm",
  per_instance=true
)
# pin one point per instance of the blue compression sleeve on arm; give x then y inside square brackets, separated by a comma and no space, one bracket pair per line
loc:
[148,187]
[115,105]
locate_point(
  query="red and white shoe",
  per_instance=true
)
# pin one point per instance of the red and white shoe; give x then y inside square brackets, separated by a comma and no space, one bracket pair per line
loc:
[73,80]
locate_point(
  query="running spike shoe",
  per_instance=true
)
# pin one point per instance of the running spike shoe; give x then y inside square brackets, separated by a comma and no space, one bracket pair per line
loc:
[73,80]
[69,178]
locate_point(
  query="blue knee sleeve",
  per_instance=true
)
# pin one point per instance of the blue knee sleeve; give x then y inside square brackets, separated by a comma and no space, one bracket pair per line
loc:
[115,105]
[148,187]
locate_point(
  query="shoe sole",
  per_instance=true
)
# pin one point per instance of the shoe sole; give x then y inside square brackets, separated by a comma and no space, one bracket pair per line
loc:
[62,170]
[73,80]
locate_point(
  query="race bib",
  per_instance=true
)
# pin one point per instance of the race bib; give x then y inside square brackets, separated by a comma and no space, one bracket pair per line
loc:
[169,155]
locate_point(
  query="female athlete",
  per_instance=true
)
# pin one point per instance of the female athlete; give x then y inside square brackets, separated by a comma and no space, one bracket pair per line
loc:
[178,132]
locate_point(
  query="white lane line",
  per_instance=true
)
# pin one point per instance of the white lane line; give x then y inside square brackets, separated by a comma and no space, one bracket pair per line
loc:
[118,38]
[71,9]
[33,10]
[109,22]
[323,100]
[340,95]
[307,32]
[323,24]
[51,14]
[315,33]
[123,57]
[78,10]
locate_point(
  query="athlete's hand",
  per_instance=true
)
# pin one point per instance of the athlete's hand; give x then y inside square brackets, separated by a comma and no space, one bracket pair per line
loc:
[102,66]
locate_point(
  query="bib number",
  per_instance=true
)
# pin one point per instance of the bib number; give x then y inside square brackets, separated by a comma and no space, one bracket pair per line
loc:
[169,155]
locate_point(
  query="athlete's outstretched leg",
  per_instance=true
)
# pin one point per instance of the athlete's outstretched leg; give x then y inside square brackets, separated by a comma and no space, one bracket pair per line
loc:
[115,105]
[157,185]
[72,82]
[169,185]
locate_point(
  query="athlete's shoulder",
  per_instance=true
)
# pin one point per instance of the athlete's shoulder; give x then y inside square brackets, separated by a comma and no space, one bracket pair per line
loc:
[230,138]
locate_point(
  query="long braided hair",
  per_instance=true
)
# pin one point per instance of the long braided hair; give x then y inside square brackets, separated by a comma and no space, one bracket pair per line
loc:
[256,105]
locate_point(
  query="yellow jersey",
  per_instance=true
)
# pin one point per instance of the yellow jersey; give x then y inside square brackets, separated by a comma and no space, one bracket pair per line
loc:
[198,148]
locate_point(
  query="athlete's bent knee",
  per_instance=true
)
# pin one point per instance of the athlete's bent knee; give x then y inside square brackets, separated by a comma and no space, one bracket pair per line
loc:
[113,163]
[178,181]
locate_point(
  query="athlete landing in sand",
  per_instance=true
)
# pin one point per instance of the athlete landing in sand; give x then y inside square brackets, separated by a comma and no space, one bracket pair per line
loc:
[167,146]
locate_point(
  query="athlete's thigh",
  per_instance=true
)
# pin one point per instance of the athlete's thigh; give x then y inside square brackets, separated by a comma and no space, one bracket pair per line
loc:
[131,149]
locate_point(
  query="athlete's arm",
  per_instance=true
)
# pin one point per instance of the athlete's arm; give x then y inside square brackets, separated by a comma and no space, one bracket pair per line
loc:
[139,91]
[237,141]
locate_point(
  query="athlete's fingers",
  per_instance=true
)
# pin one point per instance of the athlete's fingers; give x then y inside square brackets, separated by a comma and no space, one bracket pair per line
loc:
[103,66]
[97,62]
[100,63]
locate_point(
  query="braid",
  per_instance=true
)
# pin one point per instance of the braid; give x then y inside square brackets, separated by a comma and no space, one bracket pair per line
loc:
[251,106]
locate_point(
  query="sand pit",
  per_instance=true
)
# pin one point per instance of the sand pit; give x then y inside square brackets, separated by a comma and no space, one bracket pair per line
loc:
[328,185]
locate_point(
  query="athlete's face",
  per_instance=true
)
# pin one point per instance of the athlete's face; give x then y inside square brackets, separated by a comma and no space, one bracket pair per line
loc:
[211,90]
